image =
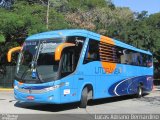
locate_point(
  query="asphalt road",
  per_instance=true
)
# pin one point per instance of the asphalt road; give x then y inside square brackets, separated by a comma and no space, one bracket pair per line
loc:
[149,104]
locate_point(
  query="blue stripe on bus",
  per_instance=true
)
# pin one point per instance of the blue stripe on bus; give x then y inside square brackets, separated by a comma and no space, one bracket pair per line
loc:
[128,85]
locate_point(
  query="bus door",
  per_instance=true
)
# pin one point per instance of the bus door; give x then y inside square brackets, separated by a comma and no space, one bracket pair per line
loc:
[67,67]
[69,71]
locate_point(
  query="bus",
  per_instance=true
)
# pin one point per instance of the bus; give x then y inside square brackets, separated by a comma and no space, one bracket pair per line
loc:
[77,65]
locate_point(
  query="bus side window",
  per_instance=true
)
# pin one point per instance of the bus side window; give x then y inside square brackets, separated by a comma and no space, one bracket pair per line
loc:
[136,58]
[92,52]
[131,57]
[149,61]
[68,62]
[124,57]
[140,60]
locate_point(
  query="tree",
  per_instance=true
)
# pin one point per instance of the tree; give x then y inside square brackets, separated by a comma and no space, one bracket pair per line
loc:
[25,19]
[2,38]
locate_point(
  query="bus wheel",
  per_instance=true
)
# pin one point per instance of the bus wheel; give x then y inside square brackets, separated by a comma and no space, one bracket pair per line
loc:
[139,92]
[84,98]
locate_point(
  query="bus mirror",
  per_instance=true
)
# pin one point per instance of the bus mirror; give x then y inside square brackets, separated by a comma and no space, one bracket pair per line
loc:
[59,49]
[12,50]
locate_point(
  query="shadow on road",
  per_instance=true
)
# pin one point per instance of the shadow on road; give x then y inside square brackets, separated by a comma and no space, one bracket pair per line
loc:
[2,99]
[64,107]
[46,107]
[110,100]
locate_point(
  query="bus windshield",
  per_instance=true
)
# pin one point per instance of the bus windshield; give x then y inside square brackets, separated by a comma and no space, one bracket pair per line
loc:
[36,61]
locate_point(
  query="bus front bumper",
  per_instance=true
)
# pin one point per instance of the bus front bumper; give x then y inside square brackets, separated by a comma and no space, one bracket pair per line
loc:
[52,97]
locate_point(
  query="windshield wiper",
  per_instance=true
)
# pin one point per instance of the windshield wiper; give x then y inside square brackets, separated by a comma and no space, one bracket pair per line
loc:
[24,74]
[38,76]
[30,68]
[26,71]
[34,62]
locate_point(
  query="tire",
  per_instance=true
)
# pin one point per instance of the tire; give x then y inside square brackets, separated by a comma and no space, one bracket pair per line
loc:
[84,98]
[139,92]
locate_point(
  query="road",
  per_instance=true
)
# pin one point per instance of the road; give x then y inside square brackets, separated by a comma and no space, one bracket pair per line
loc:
[119,105]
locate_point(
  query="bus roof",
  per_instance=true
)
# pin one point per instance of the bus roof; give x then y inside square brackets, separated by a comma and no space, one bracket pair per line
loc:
[124,45]
[80,32]
[62,33]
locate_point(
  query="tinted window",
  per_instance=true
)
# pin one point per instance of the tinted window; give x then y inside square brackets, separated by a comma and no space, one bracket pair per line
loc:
[92,52]
[131,57]
[100,51]
[71,55]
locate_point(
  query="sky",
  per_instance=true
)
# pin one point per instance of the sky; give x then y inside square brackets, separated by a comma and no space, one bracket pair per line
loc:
[152,6]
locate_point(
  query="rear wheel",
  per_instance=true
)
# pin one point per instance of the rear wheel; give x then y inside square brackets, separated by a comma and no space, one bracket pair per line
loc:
[139,92]
[84,98]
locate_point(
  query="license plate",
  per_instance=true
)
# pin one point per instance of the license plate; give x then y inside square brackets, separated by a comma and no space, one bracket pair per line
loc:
[30,97]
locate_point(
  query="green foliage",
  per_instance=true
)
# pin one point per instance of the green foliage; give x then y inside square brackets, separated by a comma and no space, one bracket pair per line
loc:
[2,38]
[27,17]
[24,19]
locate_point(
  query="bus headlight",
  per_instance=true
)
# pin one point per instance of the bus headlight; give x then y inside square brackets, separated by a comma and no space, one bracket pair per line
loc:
[50,97]
[15,87]
[54,87]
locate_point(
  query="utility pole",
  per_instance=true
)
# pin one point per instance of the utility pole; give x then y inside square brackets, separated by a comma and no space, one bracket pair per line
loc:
[47,17]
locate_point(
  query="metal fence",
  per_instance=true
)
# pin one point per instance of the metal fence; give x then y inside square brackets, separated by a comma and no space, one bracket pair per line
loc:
[6,80]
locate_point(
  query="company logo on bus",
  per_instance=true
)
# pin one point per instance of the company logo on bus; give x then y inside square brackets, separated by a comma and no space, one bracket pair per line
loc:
[101,70]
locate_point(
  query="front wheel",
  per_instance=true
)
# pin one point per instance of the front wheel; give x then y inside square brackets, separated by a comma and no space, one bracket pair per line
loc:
[84,98]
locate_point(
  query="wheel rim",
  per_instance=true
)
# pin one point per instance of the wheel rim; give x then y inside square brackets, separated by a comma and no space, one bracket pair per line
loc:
[140,91]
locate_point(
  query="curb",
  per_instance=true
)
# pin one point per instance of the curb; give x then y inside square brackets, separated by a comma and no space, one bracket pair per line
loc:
[6,89]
